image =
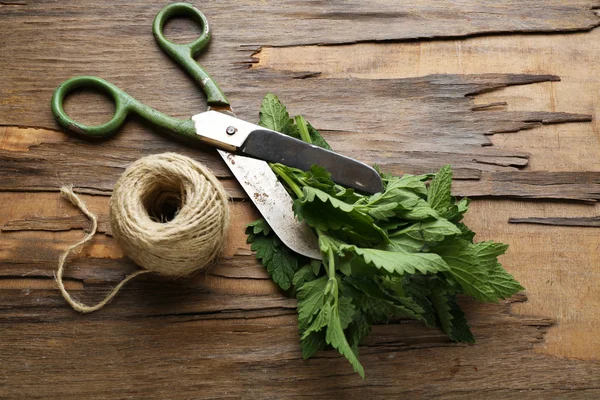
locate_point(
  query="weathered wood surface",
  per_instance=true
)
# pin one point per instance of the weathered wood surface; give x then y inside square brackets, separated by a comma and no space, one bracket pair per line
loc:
[491,106]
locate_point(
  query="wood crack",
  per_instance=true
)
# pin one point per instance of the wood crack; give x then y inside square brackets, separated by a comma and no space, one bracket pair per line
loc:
[592,222]
[56,224]
[433,38]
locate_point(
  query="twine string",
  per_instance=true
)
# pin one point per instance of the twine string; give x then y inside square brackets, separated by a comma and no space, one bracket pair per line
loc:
[180,241]
[67,193]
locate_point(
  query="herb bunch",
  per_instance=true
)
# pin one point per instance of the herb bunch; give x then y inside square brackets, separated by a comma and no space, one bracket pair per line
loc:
[401,253]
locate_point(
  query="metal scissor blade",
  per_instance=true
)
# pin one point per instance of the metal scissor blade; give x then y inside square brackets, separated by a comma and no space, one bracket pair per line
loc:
[227,132]
[273,202]
[275,147]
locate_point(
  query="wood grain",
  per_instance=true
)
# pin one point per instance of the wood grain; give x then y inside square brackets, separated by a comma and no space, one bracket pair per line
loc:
[511,113]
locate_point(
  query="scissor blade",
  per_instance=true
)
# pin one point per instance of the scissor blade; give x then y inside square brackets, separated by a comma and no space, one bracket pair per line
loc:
[273,202]
[236,135]
[274,147]
[264,189]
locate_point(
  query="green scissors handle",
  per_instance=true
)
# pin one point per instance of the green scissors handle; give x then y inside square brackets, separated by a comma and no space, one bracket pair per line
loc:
[183,54]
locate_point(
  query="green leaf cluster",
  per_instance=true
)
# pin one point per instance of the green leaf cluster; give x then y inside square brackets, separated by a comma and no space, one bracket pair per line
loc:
[400,253]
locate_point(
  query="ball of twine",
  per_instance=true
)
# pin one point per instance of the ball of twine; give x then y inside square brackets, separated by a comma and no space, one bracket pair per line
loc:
[168,212]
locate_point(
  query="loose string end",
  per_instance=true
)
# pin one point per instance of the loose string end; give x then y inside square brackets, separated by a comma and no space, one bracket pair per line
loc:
[68,193]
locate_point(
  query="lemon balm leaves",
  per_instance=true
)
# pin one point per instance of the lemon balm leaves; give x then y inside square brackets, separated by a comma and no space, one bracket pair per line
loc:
[274,115]
[503,283]
[401,253]
[259,226]
[281,263]
[328,213]
[398,262]
[439,194]
[435,230]
[336,337]
[322,308]
[311,297]
[475,267]
[451,318]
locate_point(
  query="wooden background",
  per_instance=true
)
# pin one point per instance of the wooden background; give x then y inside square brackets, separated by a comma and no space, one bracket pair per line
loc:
[507,91]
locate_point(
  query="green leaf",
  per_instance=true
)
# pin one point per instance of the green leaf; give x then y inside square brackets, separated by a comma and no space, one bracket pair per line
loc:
[405,193]
[316,137]
[394,225]
[336,338]
[274,115]
[326,213]
[430,231]
[419,212]
[265,247]
[320,320]
[456,211]
[315,266]
[465,232]
[320,306]
[439,195]
[461,331]
[452,319]
[307,273]
[345,310]
[318,177]
[282,267]
[418,287]
[379,305]
[385,176]
[302,129]
[488,251]
[281,262]
[413,183]
[474,266]
[503,283]
[311,297]
[383,212]
[465,268]
[396,262]
[258,226]
[358,329]
[311,344]
[406,244]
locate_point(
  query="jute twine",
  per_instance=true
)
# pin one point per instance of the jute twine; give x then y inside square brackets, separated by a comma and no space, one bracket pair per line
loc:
[168,212]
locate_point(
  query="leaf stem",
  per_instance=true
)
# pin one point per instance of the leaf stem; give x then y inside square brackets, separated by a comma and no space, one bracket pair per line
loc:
[330,263]
[290,182]
[303,129]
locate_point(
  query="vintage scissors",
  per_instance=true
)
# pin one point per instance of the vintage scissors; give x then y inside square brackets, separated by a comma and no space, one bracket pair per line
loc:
[246,148]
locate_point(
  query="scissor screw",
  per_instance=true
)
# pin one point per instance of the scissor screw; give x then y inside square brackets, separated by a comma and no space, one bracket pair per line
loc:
[231,130]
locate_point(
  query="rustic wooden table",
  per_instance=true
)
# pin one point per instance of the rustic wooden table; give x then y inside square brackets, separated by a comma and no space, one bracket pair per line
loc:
[408,85]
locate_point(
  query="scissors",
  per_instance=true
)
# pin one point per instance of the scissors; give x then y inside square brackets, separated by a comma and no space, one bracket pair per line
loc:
[246,148]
